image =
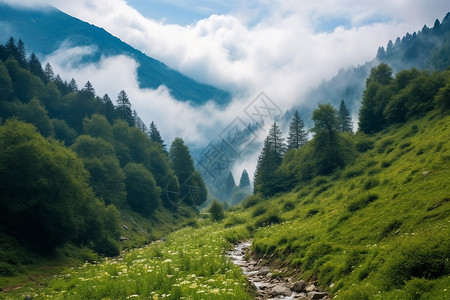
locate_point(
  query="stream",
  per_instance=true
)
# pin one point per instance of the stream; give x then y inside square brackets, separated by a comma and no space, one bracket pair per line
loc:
[267,286]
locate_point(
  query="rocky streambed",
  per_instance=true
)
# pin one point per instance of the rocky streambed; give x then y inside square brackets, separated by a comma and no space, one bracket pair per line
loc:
[268,286]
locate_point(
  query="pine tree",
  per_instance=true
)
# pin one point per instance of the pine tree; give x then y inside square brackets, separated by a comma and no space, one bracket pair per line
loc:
[73,86]
[244,182]
[21,54]
[297,135]
[155,136]
[277,142]
[49,75]
[123,108]
[268,162]
[345,121]
[89,89]
[230,185]
[35,66]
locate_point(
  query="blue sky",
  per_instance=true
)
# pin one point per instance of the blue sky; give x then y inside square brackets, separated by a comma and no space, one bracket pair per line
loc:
[180,12]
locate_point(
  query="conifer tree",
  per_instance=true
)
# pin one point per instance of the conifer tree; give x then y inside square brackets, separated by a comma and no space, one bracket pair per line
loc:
[49,75]
[244,182]
[35,66]
[155,136]
[268,162]
[123,108]
[230,185]
[297,135]
[345,121]
[89,89]
[73,86]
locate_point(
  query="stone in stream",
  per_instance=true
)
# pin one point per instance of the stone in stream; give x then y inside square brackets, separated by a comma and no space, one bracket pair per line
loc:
[264,271]
[299,286]
[317,295]
[310,288]
[280,290]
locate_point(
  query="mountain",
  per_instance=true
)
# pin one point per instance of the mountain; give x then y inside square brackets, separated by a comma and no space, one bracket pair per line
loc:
[44,29]
[428,49]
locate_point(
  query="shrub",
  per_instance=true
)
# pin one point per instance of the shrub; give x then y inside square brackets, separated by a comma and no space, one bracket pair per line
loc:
[393,225]
[260,210]
[371,183]
[268,219]
[288,206]
[364,146]
[421,256]
[216,211]
[314,253]
[251,201]
[362,202]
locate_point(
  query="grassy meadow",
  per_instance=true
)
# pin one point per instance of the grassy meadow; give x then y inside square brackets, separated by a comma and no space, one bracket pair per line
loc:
[376,229]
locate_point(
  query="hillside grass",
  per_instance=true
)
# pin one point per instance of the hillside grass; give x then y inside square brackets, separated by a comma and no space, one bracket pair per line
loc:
[188,264]
[378,229]
[20,266]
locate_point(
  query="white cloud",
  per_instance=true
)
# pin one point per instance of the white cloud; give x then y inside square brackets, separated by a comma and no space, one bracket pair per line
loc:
[274,46]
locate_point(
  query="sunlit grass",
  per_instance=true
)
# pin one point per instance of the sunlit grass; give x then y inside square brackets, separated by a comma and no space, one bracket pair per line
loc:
[189,264]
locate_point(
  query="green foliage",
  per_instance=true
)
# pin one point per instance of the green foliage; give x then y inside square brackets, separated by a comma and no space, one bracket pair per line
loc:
[216,210]
[362,202]
[142,193]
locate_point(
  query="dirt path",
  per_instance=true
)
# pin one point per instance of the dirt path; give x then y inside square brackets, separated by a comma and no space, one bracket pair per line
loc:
[267,286]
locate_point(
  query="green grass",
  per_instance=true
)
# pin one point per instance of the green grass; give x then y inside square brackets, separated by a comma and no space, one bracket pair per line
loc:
[377,229]
[189,264]
[381,227]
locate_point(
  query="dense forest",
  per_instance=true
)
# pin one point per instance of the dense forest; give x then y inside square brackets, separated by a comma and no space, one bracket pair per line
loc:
[71,161]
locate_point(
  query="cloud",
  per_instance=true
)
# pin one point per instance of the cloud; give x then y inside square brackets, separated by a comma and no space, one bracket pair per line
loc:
[281,47]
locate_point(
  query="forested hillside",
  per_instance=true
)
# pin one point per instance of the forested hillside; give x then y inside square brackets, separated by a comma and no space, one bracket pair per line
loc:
[426,49]
[46,29]
[75,168]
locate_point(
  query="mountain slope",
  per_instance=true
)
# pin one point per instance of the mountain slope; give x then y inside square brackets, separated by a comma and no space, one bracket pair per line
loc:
[44,30]
[429,48]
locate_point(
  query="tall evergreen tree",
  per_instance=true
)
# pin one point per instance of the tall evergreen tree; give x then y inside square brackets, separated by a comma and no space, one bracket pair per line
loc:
[297,135]
[108,108]
[244,182]
[21,54]
[345,121]
[89,89]
[35,66]
[230,185]
[49,75]
[268,162]
[73,85]
[155,136]
[123,108]
[191,185]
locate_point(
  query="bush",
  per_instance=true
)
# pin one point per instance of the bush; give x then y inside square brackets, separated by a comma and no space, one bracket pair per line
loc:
[371,183]
[216,211]
[316,252]
[258,211]
[251,201]
[364,146]
[362,202]
[268,219]
[288,206]
[420,256]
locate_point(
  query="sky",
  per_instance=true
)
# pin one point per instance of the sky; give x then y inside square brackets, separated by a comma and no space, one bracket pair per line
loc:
[279,47]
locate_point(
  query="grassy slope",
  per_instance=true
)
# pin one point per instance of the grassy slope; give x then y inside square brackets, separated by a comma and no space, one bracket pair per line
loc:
[392,245]
[370,228]
[29,267]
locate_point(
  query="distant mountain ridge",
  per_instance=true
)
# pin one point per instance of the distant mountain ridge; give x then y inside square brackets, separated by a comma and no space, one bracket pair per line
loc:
[428,49]
[44,30]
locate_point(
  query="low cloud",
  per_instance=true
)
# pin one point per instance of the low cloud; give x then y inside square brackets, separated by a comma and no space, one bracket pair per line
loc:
[281,47]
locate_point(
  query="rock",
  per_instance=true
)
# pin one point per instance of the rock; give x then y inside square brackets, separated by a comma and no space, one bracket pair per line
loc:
[425,172]
[28,297]
[123,238]
[299,286]
[317,295]
[264,271]
[310,288]
[252,273]
[332,285]
[269,275]
[280,290]
[125,226]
